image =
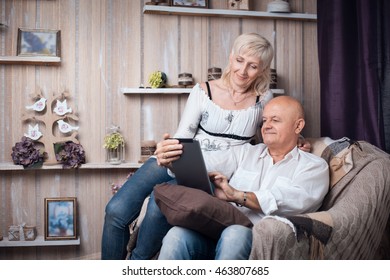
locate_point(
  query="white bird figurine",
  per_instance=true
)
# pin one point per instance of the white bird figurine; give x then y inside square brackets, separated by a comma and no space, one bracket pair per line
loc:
[65,127]
[39,105]
[33,132]
[62,108]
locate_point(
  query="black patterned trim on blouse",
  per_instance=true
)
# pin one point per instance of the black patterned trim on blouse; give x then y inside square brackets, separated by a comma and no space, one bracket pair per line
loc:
[231,136]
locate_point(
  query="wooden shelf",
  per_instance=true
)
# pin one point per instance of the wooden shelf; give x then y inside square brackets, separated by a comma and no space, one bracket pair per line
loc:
[172,91]
[9,166]
[155,90]
[39,241]
[277,91]
[184,11]
[31,60]
[125,165]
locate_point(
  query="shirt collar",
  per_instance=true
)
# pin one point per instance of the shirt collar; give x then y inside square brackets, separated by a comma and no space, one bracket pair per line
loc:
[293,154]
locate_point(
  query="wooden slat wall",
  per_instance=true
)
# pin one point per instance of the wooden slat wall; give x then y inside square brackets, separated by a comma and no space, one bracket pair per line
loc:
[106,45]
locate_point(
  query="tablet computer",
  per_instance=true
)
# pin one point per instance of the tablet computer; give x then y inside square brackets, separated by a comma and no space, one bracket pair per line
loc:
[190,169]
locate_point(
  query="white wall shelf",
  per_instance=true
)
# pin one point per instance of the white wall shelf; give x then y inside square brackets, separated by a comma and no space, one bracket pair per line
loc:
[184,11]
[172,91]
[155,90]
[39,241]
[9,166]
[278,91]
[31,60]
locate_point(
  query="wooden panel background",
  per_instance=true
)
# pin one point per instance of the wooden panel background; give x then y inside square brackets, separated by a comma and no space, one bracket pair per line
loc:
[107,45]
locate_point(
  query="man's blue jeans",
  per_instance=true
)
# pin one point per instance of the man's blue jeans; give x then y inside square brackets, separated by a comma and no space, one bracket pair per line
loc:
[180,243]
[125,206]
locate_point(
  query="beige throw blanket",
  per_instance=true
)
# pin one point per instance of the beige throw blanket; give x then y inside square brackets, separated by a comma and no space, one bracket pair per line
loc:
[318,226]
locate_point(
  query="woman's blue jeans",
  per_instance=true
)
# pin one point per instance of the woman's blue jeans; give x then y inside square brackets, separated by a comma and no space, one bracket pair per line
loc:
[125,206]
[151,232]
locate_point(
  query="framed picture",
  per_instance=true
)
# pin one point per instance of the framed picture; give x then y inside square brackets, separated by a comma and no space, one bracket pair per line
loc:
[191,3]
[38,42]
[60,218]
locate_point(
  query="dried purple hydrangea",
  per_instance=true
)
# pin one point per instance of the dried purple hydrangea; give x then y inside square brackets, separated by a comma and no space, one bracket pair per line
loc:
[26,153]
[71,155]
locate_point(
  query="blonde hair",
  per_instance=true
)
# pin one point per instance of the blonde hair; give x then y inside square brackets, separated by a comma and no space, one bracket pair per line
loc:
[255,45]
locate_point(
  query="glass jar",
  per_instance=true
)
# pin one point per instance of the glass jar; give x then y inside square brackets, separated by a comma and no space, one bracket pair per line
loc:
[114,144]
[115,156]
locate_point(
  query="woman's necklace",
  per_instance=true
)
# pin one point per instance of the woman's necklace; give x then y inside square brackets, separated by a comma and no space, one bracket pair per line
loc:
[239,101]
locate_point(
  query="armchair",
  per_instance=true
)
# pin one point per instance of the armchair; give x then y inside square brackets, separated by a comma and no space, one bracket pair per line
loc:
[353,222]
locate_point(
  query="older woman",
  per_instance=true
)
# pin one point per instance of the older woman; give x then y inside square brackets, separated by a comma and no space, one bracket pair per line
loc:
[220,114]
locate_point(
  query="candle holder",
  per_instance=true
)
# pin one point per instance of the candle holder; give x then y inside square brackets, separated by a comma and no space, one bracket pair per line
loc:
[148,147]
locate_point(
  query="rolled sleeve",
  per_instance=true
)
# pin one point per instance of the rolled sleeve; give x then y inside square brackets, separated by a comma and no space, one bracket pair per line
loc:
[267,202]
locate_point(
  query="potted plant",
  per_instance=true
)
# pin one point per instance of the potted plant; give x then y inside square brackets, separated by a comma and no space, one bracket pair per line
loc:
[26,153]
[70,154]
[157,79]
[114,143]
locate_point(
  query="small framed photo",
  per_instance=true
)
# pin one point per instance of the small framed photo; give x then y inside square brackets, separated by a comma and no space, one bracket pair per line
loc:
[38,42]
[60,218]
[191,3]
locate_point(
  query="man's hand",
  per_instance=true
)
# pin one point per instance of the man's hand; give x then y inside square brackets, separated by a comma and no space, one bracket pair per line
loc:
[224,191]
[222,188]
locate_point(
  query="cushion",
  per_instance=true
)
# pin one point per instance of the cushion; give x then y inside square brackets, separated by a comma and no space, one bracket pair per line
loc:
[197,210]
[337,153]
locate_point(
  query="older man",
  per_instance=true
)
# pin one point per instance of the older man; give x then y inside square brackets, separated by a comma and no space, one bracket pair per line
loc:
[274,178]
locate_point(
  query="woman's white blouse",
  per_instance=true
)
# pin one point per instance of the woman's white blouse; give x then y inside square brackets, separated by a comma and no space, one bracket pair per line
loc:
[217,129]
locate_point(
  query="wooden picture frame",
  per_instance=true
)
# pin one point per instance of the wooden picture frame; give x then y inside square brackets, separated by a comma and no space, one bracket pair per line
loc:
[191,3]
[38,42]
[61,218]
